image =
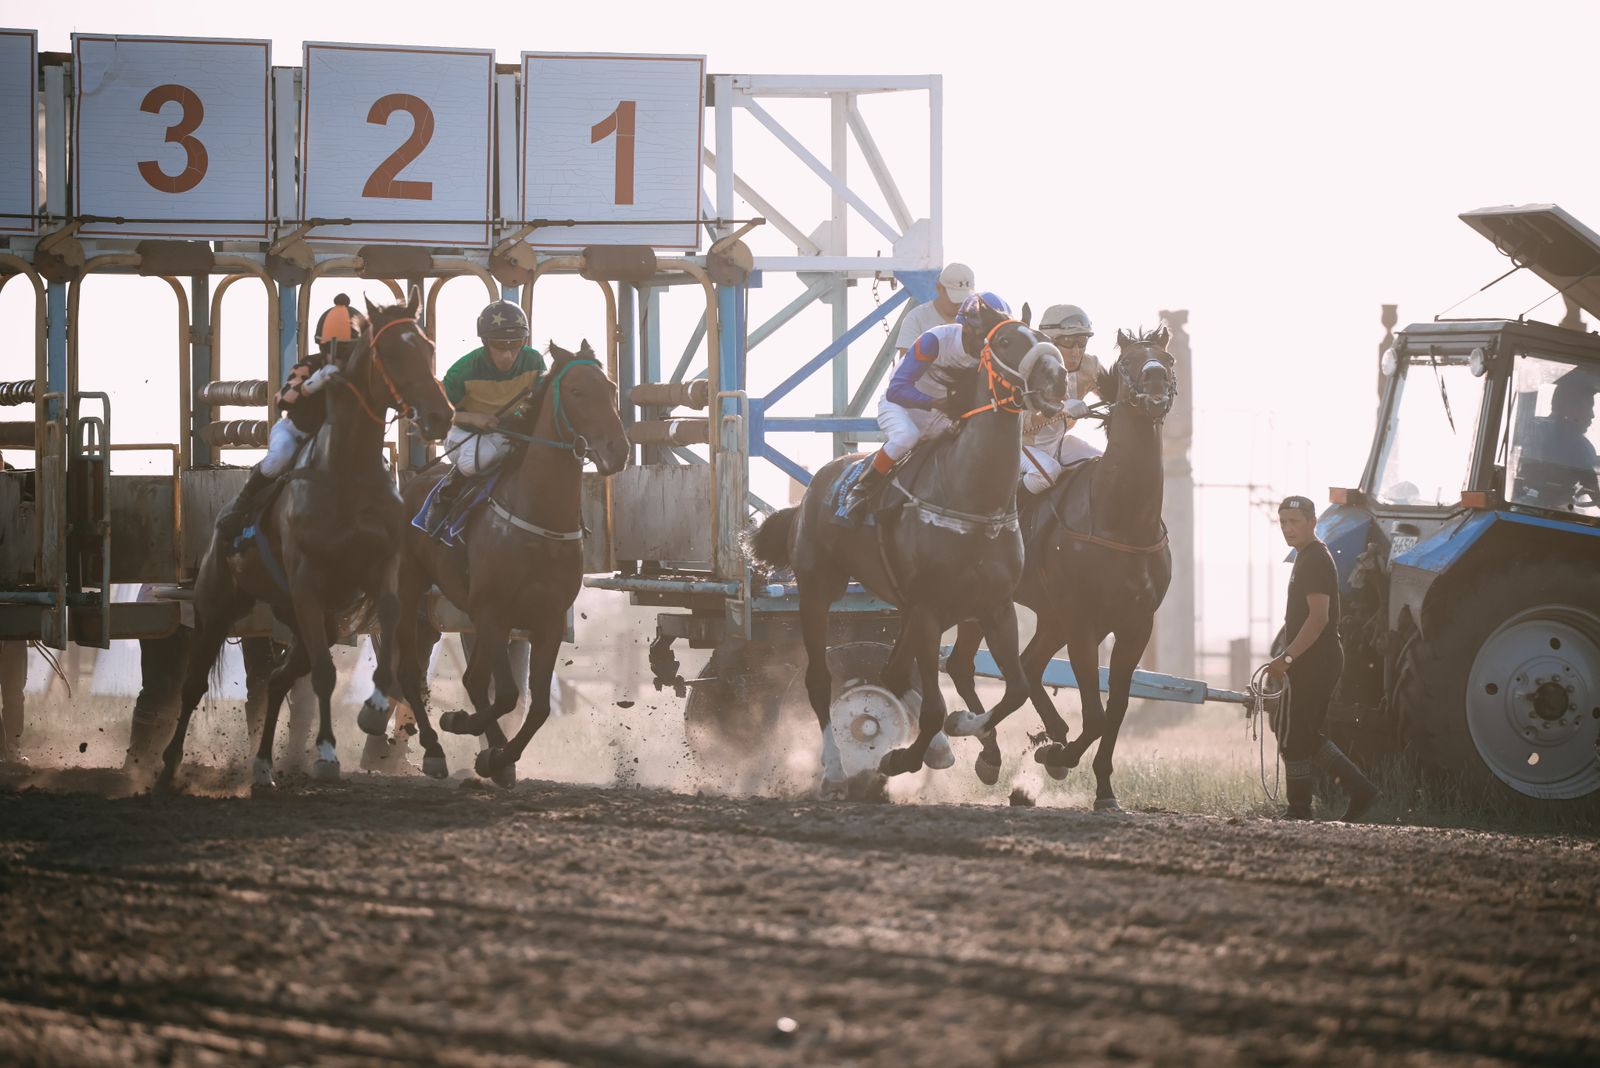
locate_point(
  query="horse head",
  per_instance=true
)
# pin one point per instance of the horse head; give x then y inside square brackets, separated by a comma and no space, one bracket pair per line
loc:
[1027,364]
[395,368]
[584,404]
[1145,376]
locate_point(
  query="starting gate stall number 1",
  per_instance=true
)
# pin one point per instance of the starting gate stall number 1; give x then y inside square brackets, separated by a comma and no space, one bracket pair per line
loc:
[395,134]
[171,134]
[19,131]
[614,139]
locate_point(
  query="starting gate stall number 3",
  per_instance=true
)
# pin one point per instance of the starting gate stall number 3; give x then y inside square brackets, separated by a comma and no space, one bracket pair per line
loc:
[614,139]
[172,135]
[395,134]
[19,127]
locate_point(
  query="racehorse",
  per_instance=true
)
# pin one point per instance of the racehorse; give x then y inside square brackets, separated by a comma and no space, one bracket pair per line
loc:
[328,543]
[946,548]
[526,553]
[1097,564]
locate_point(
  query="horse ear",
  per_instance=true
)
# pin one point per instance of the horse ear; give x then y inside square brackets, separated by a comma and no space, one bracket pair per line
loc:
[1124,339]
[414,301]
[1162,336]
[372,309]
[584,349]
[1027,314]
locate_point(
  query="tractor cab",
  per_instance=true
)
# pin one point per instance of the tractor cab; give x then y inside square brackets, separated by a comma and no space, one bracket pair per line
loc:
[1467,551]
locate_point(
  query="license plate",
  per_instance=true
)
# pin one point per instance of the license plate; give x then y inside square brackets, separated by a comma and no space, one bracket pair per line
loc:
[1401,543]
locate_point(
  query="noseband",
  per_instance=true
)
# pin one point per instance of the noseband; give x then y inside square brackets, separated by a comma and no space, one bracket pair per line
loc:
[1155,406]
[1008,386]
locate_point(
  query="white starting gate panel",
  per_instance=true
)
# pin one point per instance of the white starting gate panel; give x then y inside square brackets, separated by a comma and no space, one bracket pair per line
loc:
[19,131]
[614,139]
[172,135]
[393,133]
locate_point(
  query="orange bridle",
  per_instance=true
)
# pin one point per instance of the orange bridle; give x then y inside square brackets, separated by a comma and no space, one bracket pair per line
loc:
[1004,395]
[377,362]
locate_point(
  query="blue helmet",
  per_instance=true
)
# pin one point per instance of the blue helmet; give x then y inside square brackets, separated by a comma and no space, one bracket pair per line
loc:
[970,314]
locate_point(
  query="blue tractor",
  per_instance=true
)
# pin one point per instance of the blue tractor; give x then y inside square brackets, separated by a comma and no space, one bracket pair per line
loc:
[1470,552]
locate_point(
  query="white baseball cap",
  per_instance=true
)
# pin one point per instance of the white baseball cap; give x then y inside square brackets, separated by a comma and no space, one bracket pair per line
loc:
[958,281]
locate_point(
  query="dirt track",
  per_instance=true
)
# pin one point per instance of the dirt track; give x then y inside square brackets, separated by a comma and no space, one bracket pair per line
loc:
[417,922]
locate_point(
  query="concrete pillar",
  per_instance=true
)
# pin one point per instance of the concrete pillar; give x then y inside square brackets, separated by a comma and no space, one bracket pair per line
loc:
[1172,647]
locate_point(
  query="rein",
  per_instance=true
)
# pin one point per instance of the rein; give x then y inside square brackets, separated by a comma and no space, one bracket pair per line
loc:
[571,440]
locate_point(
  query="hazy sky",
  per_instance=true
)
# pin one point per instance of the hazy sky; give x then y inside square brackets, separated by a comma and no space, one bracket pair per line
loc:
[1278,170]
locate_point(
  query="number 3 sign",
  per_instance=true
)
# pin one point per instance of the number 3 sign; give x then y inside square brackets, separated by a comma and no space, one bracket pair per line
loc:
[171,133]
[613,139]
[398,134]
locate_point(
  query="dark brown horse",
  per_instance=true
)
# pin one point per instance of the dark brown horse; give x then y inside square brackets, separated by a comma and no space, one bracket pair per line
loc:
[328,543]
[951,552]
[1085,580]
[525,552]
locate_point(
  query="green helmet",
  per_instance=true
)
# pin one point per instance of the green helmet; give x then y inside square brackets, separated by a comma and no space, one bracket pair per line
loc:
[502,321]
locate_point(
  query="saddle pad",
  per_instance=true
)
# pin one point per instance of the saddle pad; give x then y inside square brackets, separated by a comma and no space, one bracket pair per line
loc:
[840,490]
[449,533]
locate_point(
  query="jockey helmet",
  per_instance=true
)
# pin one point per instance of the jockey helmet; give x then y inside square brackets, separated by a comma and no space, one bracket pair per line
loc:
[337,323]
[971,315]
[502,321]
[1065,319]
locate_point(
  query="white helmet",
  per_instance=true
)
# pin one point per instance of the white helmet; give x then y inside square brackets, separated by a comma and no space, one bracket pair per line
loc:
[1068,319]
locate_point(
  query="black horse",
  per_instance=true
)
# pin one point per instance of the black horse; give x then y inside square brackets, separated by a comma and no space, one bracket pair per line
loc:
[1097,564]
[945,546]
[328,543]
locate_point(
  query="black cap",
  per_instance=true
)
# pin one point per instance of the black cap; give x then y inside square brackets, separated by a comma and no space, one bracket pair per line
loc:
[1296,503]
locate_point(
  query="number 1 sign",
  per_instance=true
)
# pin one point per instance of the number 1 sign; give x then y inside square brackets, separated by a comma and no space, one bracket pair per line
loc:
[172,135]
[613,140]
[397,134]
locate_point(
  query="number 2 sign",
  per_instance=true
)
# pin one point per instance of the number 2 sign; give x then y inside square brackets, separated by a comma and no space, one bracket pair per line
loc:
[397,134]
[614,140]
[171,134]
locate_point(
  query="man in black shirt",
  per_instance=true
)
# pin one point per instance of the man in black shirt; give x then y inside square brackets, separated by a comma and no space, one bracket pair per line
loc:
[1312,660]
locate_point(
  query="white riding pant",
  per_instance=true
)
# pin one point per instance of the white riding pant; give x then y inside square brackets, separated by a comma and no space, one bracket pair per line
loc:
[1042,464]
[474,451]
[282,444]
[904,426]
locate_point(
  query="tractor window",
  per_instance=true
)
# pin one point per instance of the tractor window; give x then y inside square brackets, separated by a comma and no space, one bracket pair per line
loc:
[1550,462]
[1428,453]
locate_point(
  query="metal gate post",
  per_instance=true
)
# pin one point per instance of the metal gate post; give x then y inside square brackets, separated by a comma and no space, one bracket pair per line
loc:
[199,367]
[288,330]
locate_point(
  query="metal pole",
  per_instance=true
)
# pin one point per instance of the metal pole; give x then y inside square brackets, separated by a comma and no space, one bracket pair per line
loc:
[199,366]
[628,358]
[838,240]
[288,330]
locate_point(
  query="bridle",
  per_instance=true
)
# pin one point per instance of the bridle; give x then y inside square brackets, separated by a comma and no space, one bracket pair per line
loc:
[1008,386]
[568,436]
[1154,406]
[376,362]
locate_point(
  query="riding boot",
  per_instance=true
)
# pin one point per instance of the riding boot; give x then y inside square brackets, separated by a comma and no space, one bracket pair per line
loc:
[443,500]
[866,487]
[231,522]
[1359,789]
[1297,787]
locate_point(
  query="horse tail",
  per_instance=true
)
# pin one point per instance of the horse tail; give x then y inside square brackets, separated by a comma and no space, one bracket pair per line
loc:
[770,545]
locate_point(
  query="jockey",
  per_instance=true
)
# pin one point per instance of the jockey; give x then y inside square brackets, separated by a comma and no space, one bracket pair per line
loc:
[480,385]
[301,419]
[911,408]
[1048,445]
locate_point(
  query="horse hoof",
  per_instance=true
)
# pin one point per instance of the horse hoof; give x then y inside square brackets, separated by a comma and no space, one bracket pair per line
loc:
[1106,804]
[987,773]
[435,767]
[325,771]
[833,789]
[1058,772]
[261,773]
[964,723]
[487,763]
[373,718]
[506,777]
[867,787]
[457,721]
[1055,757]
[899,762]
[939,755]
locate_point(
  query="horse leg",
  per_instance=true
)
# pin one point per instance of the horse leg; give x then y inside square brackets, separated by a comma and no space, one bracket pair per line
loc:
[1048,638]
[965,722]
[922,630]
[375,710]
[1000,631]
[818,590]
[546,646]
[312,635]
[1084,653]
[1125,654]
[279,683]
[415,643]
[204,644]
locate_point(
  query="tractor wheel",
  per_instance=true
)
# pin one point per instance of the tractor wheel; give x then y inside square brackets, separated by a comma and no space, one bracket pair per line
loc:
[1508,689]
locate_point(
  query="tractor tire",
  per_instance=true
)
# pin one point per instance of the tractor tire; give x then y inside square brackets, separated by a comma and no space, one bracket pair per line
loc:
[1506,694]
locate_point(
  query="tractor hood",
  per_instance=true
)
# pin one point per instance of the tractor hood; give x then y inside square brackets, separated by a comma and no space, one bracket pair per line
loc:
[1550,243]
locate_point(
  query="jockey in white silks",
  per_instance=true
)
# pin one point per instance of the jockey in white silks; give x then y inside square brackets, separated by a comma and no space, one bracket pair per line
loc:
[911,408]
[1048,444]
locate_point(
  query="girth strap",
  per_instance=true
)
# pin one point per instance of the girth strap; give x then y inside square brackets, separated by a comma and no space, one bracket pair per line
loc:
[992,524]
[534,528]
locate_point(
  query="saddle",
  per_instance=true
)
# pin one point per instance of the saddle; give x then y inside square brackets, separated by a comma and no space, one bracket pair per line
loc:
[887,496]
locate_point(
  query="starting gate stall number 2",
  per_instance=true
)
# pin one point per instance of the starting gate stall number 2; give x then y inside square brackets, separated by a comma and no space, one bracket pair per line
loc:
[395,134]
[613,139]
[19,131]
[172,135]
